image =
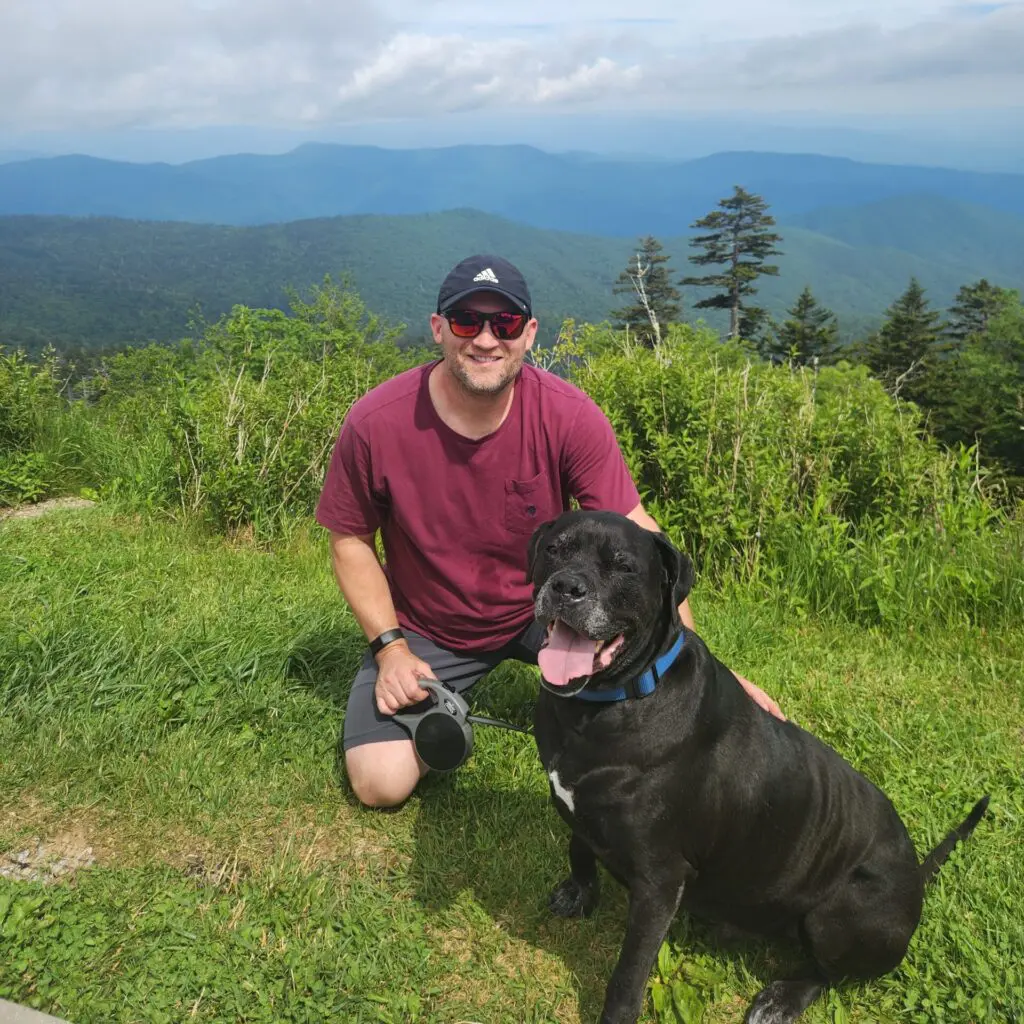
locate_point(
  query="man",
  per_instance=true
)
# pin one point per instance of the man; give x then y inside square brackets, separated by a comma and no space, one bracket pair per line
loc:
[456,463]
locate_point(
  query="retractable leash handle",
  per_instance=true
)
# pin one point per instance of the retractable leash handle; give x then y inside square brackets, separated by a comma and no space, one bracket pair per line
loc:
[442,733]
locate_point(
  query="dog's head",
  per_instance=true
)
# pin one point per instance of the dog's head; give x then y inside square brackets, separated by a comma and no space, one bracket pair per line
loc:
[609,591]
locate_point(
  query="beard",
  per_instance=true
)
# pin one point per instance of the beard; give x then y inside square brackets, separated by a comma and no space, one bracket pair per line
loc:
[463,373]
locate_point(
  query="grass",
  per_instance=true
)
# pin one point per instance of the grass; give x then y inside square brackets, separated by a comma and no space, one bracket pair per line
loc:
[175,700]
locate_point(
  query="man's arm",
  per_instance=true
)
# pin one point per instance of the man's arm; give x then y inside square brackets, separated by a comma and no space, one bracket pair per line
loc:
[364,586]
[362,583]
[641,518]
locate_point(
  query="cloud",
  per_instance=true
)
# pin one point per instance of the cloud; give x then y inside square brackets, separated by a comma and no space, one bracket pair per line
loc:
[967,59]
[987,45]
[425,74]
[307,62]
[892,57]
[176,61]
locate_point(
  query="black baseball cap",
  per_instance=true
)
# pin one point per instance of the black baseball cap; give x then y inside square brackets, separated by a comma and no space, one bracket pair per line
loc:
[484,274]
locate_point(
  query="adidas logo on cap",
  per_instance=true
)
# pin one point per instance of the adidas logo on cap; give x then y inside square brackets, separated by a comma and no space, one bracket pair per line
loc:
[487,275]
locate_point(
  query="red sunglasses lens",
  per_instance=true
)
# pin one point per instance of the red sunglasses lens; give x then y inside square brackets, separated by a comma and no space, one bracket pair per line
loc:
[465,323]
[506,326]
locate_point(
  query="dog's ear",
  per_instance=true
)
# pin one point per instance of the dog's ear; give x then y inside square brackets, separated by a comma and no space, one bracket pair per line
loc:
[536,540]
[678,569]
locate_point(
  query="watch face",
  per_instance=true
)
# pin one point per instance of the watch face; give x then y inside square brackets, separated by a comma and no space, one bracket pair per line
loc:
[385,638]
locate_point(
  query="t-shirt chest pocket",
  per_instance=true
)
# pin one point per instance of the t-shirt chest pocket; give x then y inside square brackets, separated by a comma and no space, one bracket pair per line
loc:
[528,503]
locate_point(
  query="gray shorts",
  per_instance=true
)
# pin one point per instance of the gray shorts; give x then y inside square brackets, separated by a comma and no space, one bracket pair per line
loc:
[365,724]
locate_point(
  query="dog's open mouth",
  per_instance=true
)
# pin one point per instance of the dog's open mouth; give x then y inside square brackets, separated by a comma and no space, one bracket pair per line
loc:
[571,657]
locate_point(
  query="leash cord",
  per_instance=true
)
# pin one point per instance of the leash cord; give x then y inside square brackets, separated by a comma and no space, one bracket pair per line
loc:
[480,720]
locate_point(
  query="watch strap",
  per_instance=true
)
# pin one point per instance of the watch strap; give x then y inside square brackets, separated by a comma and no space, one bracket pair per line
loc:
[389,636]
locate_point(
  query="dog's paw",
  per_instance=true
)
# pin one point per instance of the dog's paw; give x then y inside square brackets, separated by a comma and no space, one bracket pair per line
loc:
[782,1002]
[570,899]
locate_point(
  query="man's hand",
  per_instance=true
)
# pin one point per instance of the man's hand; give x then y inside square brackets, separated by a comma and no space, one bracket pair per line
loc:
[760,698]
[398,676]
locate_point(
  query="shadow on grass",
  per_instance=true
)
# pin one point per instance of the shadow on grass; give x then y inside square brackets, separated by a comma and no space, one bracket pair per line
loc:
[326,662]
[507,849]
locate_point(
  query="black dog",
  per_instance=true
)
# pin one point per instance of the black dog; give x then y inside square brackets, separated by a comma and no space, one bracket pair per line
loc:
[690,794]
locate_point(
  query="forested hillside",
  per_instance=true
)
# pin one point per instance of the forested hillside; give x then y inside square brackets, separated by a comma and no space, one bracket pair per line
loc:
[100,282]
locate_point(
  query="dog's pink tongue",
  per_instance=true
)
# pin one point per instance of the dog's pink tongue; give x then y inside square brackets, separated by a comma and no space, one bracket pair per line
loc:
[568,655]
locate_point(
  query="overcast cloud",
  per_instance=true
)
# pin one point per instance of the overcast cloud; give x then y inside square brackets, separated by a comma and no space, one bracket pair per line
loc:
[182,63]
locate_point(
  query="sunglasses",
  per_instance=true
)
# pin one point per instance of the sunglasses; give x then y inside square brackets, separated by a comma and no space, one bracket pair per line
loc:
[468,323]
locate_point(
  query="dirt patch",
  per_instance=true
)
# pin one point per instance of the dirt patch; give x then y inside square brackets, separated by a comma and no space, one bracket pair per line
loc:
[42,508]
[220,874]
[222,859]
[47,861]
[70,831]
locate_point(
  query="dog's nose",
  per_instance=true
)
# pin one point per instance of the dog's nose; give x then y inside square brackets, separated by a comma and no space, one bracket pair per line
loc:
[570,588]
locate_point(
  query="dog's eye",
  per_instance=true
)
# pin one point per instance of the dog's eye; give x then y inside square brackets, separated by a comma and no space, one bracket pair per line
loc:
[623,563]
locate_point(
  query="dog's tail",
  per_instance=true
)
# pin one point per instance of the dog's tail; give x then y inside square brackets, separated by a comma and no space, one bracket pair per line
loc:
[931,864]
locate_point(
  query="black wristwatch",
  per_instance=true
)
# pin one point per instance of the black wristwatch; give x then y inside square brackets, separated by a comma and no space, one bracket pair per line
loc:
[389,636]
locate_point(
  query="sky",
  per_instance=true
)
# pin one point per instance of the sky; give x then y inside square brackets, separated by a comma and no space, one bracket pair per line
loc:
[312,65]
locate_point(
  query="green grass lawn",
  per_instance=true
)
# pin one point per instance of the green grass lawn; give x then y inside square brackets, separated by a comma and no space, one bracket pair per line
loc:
[174,702]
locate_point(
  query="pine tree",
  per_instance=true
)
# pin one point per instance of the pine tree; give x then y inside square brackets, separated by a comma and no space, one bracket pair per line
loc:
[647,279]
[738,237]
[904,353]
[757,326]
[811,331]
[974,308]
[984,402]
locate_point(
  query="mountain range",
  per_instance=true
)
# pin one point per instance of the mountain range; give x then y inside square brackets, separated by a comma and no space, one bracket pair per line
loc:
[98,281]
[575,192]
[972,139]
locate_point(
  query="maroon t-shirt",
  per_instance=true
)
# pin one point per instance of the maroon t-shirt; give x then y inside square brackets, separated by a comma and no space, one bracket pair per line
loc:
[456,514]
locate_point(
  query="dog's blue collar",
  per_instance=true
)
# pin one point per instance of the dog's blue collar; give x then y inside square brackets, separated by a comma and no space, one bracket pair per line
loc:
[643,686]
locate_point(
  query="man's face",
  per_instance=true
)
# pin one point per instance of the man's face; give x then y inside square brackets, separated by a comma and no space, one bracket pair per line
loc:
[483,365]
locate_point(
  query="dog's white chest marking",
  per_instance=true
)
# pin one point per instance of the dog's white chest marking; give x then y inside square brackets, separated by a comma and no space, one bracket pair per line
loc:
[562,792]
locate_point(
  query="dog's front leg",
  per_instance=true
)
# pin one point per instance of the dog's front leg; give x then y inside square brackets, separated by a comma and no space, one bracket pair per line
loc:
[652,905]
[577,895]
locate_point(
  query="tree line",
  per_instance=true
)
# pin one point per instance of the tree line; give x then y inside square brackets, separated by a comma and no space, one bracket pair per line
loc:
[965,369]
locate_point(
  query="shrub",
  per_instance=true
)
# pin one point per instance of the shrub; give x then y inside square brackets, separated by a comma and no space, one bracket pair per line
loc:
[238,429]
[29,402]
[818,485]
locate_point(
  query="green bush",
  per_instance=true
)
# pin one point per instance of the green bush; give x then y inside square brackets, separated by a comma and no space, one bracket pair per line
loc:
[29,402]
[819,486]
[238,429]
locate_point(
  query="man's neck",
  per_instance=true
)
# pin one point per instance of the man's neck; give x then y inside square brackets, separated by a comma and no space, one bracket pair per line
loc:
[471,415]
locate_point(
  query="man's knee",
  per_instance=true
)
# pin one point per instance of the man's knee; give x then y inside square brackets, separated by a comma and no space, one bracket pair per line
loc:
[381,793]
[383,774]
